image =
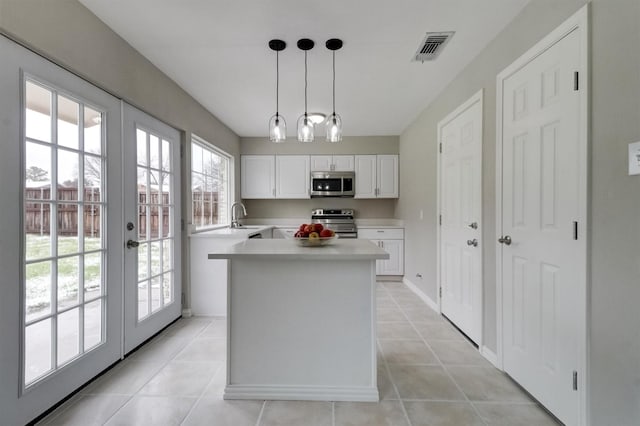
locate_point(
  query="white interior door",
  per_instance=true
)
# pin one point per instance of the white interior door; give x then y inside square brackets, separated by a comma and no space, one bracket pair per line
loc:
[542,257]
[60,286]
[152,226]
[460,248]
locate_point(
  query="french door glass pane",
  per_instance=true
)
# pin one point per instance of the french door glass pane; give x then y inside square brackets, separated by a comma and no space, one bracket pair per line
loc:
[155,213]
[64,249]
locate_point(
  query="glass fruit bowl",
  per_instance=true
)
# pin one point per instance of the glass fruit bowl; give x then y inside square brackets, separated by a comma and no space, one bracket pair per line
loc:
[315,242]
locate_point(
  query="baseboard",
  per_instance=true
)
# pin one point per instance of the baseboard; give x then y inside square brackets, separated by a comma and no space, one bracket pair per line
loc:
[426,299]
[302,393]
[489,355]
[186,313]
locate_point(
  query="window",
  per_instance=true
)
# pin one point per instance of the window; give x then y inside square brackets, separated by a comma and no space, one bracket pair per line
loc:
[210,169]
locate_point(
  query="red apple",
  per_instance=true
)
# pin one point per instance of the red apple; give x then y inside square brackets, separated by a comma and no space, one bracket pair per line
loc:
[309,228]
[304,225]
[326,233]
[318,227]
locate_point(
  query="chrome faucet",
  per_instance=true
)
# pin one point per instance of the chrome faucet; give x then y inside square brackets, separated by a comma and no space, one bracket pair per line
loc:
[234,216]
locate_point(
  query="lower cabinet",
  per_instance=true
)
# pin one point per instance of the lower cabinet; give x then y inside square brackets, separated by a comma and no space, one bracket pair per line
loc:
[392,241]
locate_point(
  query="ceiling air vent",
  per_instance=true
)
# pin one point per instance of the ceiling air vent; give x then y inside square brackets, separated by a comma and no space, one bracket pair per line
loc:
[432,45]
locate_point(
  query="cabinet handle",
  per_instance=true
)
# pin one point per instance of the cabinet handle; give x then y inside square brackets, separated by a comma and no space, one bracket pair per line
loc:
[382,244]
[274,192]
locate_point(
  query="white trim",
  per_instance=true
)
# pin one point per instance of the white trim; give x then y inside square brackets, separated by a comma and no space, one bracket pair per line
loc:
[302,393]
[478,97]
[423,296]
[186,313]
[577,22]
[489,355]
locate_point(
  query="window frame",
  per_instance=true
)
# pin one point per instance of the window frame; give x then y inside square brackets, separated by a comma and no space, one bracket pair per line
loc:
[208,146]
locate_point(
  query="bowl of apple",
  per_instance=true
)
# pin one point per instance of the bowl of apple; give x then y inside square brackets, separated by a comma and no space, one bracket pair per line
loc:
[314,235]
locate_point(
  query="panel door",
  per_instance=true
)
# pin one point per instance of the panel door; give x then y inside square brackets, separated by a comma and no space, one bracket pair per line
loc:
[292,176]
[540,187]
[321,163]
[153,234]
[258,176]
[366,182]
[343,163]
[60,286]
[387,176]
[395,264]
[460,233]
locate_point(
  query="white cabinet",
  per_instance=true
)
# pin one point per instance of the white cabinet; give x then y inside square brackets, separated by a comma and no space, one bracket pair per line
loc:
[292,176]
[274,176]
[258,176]
[392,241]
[376,176]
[332,163]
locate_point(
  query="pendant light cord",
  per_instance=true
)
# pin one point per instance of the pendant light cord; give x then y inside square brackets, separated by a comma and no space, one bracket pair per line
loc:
[305,84]
[334,83]
[278,80]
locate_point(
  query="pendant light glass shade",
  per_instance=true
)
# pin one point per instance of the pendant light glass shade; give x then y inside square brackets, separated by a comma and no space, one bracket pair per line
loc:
[277,129]
[277,124]
[333,124]
[305,125]
[334,128]
[305,128]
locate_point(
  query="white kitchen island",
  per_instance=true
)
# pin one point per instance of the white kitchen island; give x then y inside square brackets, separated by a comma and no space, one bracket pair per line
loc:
[301,320]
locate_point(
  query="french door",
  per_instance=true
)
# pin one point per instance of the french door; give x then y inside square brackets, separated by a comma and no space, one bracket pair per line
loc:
[152,226]
[62,257]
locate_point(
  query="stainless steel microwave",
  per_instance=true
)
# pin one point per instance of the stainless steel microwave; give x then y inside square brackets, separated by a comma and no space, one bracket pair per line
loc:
[333,184]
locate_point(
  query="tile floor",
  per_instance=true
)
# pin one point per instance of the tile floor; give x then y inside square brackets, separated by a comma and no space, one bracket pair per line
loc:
[428,374]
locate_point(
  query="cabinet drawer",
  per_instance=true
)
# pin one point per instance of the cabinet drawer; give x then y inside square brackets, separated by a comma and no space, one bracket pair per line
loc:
[381,234]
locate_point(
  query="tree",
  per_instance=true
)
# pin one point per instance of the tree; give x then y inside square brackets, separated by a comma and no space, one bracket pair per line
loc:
[37,174]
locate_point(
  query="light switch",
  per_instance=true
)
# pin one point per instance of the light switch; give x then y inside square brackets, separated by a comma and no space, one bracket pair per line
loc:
[634,158]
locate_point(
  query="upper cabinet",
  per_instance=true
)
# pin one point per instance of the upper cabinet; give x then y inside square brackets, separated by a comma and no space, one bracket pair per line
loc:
[332,163]
[258,176]
[292,176]
[376,176]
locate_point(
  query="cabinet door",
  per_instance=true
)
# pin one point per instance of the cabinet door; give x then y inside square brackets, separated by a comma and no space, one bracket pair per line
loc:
[365,168]
[257,176]
[343,163]
[387,176]
[395,264]
[292,176]
[321,163]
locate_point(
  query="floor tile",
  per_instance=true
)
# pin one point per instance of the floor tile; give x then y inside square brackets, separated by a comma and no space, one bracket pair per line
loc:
[215,411]
[514,414]
[383,302]
[390,315]
[440,330]
[188,326]
[89,410]
[407,352]
[422,314]
[487,384]
[217,329]
[441,413]
[409,300]
[181,378]
[161,349]
[387,413]
[385,387]
[396,330]
[424,382]
[287,413]
[218,383]
[204,349]
[152,411]
[457,353]
[127,378]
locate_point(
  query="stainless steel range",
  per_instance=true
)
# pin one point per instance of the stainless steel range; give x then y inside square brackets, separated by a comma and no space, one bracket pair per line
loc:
[339,220]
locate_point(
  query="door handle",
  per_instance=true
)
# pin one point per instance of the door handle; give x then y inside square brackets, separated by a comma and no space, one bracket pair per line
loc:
[473,225]
[505,240]
[473,242]
[132,244]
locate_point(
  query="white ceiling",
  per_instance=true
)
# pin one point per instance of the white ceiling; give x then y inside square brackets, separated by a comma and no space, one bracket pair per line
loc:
[217,51]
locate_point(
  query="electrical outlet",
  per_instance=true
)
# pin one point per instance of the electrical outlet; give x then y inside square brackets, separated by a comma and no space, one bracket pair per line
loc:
[634,158]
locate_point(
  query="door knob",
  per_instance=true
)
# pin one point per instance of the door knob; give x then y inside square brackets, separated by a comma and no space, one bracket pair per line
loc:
[132,244]
[473,242]
[505,240]
[473,225]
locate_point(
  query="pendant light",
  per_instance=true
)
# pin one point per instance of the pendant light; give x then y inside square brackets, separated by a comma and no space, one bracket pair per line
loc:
[334,122]
[305,125]
[277,125]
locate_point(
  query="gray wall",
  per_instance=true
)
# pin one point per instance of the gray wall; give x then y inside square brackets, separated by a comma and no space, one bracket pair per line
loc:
[383,208]
[70,35]
[614,347]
